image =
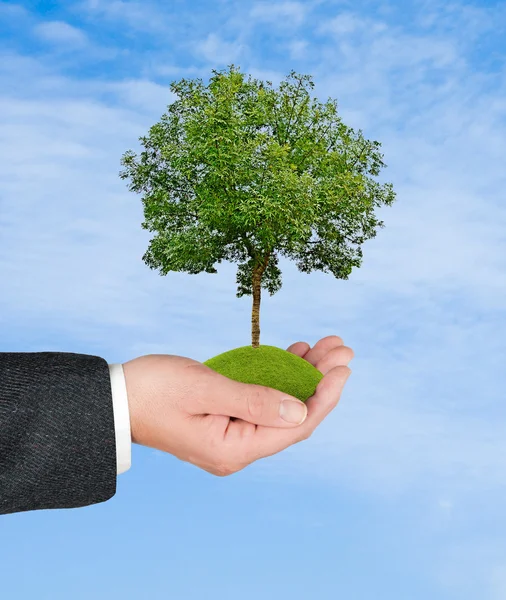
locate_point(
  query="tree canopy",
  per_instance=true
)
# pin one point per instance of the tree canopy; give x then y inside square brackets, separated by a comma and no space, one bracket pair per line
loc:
[241,171]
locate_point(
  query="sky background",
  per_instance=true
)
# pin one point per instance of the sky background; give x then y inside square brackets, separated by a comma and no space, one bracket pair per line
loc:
[401,493]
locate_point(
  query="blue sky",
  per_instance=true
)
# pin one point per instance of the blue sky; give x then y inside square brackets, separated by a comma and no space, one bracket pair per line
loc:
[400,494]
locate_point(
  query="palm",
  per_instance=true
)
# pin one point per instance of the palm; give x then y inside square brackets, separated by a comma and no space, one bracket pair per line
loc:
[327,354]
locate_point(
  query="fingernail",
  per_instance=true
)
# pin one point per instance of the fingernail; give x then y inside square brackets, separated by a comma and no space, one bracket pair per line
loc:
[293,411]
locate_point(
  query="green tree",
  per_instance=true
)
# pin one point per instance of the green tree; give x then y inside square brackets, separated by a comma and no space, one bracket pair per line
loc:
[241,171]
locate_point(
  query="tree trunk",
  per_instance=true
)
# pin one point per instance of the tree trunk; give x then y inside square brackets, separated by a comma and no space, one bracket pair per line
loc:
[255,312]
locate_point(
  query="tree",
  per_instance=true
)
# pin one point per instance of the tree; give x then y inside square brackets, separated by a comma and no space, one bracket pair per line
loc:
[240,171]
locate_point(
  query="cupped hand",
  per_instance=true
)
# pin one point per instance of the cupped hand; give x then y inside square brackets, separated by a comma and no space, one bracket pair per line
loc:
[181,406]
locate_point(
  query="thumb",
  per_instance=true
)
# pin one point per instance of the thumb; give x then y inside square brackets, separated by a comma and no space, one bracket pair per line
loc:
[257,404]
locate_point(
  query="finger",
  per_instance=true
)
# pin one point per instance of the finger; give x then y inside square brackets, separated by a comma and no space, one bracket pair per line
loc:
[257,404]
[268,441]
[238,432]
[321,348]
[338,356]
[299,349]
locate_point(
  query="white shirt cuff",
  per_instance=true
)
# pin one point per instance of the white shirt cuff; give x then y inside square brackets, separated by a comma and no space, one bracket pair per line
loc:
[121,418]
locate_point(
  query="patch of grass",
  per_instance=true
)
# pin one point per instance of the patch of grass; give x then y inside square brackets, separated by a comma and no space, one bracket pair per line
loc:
[269,366]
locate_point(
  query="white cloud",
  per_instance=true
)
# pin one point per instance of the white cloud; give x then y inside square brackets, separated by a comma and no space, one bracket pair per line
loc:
[476,20]
[445,504]
[474,568]
[448,220]
[386,47]
[143,94]
[177,71]
[298,48]
[60,32]
[275,77]
[13,10]
[142,16]
[216,50]
[279,13]
[344,23]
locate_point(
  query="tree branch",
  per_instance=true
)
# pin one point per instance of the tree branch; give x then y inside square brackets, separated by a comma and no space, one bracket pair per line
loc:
[293,109]
[301,159]
[359,155]
[248,245]
[344,237]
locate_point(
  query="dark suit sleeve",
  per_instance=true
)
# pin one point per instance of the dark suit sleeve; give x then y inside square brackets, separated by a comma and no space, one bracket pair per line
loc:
[57,439]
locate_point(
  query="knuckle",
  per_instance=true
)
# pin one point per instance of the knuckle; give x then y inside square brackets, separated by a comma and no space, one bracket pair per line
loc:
[225,469]
[223,464]
[255,405]
[343,352]
[337,356]
[222,471]
[332,340]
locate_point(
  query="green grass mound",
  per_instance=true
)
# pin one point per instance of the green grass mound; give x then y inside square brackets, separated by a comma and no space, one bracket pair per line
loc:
[270,366]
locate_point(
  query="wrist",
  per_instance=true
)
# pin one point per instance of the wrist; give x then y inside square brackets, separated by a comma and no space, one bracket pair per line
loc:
[133,397]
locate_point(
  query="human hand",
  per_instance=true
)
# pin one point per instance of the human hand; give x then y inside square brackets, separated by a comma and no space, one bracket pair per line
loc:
[183,407]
